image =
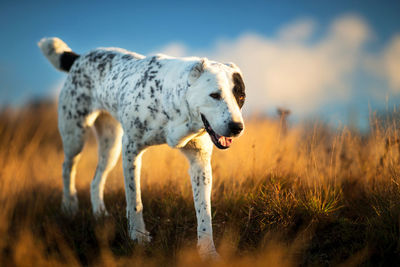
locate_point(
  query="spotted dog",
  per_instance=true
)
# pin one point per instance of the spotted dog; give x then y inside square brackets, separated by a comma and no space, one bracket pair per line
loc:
[135,102]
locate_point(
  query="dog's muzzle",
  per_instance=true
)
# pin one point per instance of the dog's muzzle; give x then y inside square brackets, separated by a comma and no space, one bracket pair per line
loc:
[220,141]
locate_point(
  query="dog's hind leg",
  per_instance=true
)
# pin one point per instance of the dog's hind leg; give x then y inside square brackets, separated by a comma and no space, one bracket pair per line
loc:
[74,118]
[73,140]
[109,135]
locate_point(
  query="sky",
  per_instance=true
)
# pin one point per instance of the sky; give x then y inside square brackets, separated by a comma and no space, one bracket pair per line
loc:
[332,60]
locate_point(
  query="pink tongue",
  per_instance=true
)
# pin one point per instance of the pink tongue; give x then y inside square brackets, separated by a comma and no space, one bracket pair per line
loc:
[225,141]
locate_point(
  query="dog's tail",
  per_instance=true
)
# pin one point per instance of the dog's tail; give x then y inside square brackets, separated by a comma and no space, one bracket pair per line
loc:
[58,53]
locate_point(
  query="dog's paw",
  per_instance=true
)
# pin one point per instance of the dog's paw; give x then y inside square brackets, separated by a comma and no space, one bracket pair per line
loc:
[100,212]
[210,255]
[208,252]
[70,205]
[141,237]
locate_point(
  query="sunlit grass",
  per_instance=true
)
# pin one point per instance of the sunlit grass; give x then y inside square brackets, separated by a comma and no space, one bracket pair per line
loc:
[313,196]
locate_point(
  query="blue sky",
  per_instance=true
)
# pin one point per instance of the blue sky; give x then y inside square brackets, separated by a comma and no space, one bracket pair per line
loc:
[216,29]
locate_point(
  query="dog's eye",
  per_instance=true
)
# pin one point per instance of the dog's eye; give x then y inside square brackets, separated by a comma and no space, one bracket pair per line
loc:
[241,98]
[216,96]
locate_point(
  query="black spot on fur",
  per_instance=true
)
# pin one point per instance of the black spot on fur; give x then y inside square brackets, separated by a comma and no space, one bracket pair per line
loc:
[95,56]
[105,60]
[67,59]
[83,112]
[153,111]
[153,59]
[110,56]
[101,67]
[87,82]
[166,114]
[238,89]
[127,57]
[158,85]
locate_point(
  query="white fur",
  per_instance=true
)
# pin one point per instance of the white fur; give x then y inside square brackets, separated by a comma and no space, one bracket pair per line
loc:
[135,102]
[52,48]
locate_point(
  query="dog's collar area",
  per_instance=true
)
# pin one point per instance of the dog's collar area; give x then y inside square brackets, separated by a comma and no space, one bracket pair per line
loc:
[222,142]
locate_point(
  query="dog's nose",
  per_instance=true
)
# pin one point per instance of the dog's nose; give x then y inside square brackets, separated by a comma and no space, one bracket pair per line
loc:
[235,127]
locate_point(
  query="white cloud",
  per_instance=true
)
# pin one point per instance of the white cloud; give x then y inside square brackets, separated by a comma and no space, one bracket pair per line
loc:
[298,31]
[287,71]
[298,69]
[391,63]
[350,31]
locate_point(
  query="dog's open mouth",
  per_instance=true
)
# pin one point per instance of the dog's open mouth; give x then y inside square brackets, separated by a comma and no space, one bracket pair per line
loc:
[222,142]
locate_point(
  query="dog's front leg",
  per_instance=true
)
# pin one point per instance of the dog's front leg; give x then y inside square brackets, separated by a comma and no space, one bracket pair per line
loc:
[131,161]
[198,153]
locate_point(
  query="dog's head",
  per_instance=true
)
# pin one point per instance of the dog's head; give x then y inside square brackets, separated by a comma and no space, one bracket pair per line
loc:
[215,96]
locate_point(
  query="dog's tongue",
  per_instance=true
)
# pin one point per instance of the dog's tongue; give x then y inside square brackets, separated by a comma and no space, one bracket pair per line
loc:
[225,141]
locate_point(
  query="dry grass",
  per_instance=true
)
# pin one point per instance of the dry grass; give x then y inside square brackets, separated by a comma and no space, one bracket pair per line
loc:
[312,197]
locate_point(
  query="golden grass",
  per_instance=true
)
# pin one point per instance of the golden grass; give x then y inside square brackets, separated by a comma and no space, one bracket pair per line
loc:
[314,196]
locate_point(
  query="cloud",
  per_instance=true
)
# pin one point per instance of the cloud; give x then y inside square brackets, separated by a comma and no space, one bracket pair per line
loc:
[350,31]
[298,68]
[298,31]
[391,63]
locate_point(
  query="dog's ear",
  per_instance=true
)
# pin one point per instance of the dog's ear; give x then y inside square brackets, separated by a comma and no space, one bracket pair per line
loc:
[196,70]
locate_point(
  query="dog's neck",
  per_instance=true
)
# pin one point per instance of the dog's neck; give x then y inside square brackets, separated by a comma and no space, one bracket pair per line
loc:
[182,125]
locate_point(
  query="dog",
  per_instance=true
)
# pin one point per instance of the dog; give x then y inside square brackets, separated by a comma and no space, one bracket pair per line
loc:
[134,102]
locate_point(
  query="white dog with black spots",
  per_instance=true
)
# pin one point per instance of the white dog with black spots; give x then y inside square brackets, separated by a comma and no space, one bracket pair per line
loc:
[135,102]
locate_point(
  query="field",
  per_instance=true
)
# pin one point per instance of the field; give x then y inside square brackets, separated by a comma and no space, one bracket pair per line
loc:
[313,196]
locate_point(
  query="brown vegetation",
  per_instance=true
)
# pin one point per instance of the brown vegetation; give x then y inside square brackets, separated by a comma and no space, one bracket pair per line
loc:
[310,197]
